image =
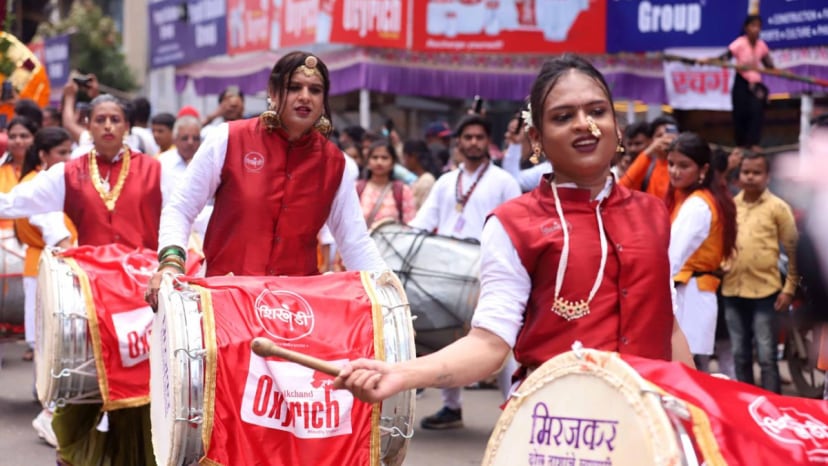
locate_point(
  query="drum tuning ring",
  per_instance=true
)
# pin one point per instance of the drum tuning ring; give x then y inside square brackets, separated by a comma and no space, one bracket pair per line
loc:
[194,354]
[396,432]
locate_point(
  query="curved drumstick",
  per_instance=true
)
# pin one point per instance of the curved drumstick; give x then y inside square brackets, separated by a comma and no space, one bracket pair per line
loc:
[265,348]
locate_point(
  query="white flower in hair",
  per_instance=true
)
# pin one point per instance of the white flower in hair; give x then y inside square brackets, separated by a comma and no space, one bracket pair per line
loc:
[526,115]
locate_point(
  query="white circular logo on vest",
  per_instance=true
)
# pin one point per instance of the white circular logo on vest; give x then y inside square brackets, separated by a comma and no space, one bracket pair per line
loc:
[139,267]
[284,315]
[253,162]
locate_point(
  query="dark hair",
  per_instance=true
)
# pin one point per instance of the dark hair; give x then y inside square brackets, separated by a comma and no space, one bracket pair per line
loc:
[30,125]
[231,90]
[53,111]
[696,149]
[419,149]
[141,110]
[719,162]
[551,72]
[355,132]
[376,145]
[166,119]
[283,70]
[634,129]
[30,109]
[661,120]
[750,155]
[473,119]
[45,140]
[749,19]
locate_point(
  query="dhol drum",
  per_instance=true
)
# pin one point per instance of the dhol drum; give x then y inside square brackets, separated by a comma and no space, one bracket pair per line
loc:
[588,407]
[12,254]
[183,412]
[440,276]
[64,357]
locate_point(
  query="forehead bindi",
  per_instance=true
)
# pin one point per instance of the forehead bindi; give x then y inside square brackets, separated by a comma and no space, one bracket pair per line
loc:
[575,89]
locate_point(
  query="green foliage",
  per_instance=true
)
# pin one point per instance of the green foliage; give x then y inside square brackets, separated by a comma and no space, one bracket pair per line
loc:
[95,45]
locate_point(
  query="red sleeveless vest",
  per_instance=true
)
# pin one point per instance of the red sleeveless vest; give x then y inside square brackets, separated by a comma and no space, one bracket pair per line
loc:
[273,199]
[137,215]
[632,310]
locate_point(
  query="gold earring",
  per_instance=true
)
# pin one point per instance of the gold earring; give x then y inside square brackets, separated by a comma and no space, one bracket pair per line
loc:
[270,120]
[536,153]
[619,149]
[323,125]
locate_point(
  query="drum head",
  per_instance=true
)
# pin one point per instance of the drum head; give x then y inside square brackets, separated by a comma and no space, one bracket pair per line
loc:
[46,328]
[584,407]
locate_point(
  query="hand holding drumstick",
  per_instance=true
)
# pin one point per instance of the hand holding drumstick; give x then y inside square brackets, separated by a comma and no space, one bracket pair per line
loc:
[363,377]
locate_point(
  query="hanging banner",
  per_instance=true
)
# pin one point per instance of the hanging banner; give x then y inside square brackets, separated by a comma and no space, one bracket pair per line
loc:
[649,25]
[795,23]
[510,26]
[694,87]
[56,61]
[297,22]
[186,32]
[248,26]
[365,22]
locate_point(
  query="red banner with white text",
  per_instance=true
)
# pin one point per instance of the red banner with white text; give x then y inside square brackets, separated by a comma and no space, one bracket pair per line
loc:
[742,424]
[113,280]
[510,26]
[367,22]
[271,411]
[248,25]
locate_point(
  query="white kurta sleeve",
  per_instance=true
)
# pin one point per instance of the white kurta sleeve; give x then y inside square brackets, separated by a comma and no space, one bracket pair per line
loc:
[52,227]
[428,217]
[45,193]
[511,159]
[688,231]
[358,250]
[504,285]
[201,180]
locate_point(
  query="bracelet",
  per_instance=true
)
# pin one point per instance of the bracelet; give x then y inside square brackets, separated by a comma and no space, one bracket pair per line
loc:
[173,265]
[172,251]
[174,260]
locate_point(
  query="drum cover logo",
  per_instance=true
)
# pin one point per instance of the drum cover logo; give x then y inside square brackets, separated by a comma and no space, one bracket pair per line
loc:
[139,267]
[253,162]
[789,425]
[284,315]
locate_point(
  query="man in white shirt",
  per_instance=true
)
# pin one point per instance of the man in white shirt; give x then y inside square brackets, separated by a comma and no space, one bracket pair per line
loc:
[186,140]
[457,206]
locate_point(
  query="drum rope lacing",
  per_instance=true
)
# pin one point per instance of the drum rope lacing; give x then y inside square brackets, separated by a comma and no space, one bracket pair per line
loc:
[408,271]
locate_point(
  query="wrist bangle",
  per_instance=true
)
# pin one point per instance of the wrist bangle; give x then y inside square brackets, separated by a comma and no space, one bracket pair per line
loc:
[173,260]
[172,251]
[173,265]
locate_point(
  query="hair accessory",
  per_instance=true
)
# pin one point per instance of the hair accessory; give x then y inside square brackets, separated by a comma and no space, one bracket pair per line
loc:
[323,125]
[526,115]
[309,68]
[593,128]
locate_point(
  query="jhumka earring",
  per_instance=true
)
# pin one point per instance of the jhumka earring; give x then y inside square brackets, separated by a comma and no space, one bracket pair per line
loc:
[536,153]
[270,118]
[323,125]
[619,149]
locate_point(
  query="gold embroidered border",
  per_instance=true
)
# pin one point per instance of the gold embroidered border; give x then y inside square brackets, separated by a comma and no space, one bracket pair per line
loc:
[208,326]
[379,353]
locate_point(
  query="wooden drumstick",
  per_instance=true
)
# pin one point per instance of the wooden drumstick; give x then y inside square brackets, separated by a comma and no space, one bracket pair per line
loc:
[266,348]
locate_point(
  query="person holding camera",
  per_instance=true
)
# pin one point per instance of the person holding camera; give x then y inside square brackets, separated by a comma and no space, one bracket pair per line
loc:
[649,171]
[72,120]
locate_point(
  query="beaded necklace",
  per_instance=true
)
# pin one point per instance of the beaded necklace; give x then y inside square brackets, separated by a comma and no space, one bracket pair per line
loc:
[108,197]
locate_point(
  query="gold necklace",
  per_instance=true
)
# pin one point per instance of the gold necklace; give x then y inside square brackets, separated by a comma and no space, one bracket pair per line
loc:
[109,197]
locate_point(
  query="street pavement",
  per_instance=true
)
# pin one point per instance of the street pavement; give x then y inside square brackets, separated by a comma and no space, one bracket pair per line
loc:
[19,445]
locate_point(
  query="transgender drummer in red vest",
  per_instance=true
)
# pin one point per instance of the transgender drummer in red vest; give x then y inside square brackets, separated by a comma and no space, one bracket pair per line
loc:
[579,258]
[276,180]
[112,195]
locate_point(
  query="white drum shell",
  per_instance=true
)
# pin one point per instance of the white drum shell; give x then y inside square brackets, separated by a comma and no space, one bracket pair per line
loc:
[64,357]
[177,368]
[12,255]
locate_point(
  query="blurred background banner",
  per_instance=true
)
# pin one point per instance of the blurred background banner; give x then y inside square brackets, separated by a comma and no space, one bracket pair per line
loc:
[186,32]
[510,26]
[650,25]
[795,23]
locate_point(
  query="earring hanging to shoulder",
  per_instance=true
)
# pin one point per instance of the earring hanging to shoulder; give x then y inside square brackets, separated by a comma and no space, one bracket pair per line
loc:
[270,118]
